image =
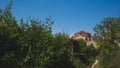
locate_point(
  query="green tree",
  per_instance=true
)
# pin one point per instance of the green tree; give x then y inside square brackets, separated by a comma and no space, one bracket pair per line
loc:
[61,55]
[84,55]
[9,38]
[107,41]
[31,44]
[26,44]
[108,29]
[36,39]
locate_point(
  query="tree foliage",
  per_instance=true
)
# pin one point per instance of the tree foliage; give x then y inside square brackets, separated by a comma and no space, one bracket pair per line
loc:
[107,34]
[84,56]
[108,29]
[31,44]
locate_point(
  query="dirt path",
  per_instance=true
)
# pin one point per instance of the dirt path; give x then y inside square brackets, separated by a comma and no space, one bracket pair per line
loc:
[96,62]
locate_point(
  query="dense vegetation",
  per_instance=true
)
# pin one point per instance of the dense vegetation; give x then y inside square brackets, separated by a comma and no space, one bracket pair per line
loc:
[108,42]
[31,44]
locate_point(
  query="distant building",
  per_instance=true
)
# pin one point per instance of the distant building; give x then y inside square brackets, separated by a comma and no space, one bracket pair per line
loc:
[86,36]
[82,35]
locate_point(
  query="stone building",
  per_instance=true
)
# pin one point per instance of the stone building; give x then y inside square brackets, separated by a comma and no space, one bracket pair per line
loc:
[82,35]
[86,36]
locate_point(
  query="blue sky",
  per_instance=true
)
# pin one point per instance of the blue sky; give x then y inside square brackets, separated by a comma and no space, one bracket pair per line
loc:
[68,15]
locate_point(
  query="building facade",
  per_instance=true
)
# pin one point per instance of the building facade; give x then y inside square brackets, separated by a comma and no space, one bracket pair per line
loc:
[86,36]
[82,35]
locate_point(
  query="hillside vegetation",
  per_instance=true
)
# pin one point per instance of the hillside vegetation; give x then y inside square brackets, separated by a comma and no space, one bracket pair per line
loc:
[31,44]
